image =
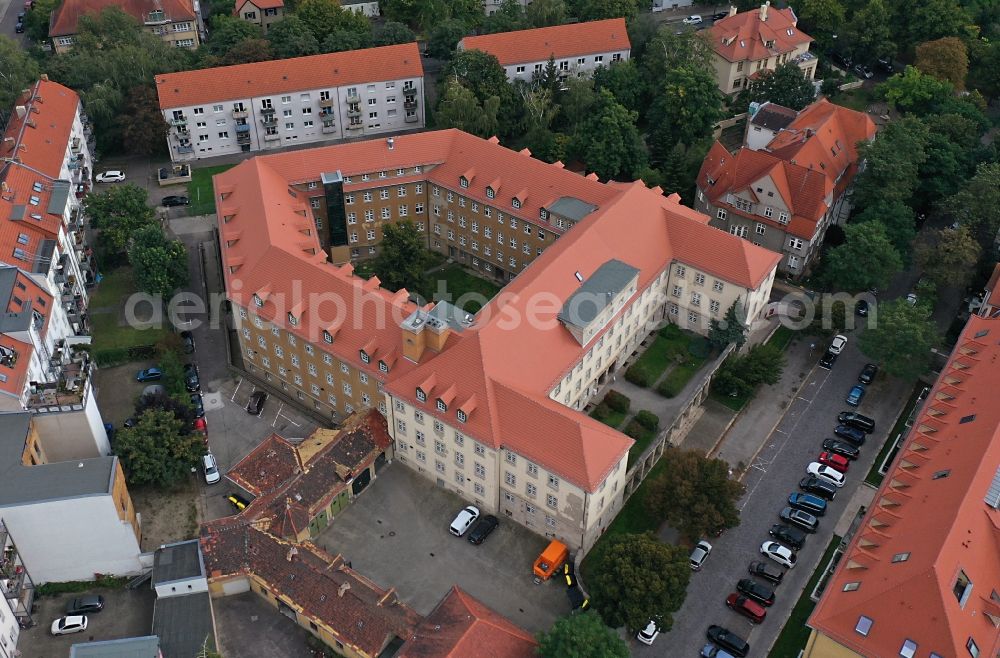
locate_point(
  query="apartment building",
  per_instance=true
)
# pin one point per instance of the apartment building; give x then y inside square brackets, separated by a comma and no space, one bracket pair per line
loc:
[17,594]
[919,576]
[789,182]
[72,518]
[577,48]
[176,22]
[367,8]
[270,105]
[263,13]
[501,405]
[745,44]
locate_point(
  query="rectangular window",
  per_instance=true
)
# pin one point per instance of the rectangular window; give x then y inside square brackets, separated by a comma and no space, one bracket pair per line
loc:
[551,501]
[962,588]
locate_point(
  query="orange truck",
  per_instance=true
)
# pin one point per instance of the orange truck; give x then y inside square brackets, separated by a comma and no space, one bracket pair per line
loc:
[551,559]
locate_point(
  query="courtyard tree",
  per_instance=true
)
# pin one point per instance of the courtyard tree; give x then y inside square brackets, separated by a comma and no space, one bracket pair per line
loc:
[119,212]
[594,10]
[867,259]
[785,85]
[159,450]
[730,329]
[160,265]
[898,220]
[403,259]
[324,17]
[638,578]
[143,127]
[583,635]
[459,108]
[902,339]
[624,81]
[608,141]
[977,205]
[892,163]
[228,32]
[914,91]
[20,71]
[948,257]
[740,375]
[821,19]
[391,33]
[687,104]
[545,13]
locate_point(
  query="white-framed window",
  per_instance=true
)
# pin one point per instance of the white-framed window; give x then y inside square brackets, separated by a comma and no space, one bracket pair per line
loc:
[551,501]
[717,286]
[795,243]
[793,262]
[760,228]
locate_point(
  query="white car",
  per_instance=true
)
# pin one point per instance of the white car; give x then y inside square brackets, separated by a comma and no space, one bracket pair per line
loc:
[824,472]
[911,299]
[648,634]
[212,475]
[111,176]
[837,346]
[694,19]
[464,519]
[780,554]
[70,624]
[700,554]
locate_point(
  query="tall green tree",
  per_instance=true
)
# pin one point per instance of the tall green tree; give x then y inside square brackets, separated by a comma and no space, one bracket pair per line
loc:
[898,221]
[929,19]
[324,17]
[869,34]
[977,205]
[391,33]
[730,329]
[18,71]
[913,91]
[508,18]
[247,51]
[867,259]
[403,257]
[291,37]
[482,74]
[545,13]
[575,103]
[687,106]
[459,108]
[227,32]
[160,265]
[143,127]
[786,85]
[901,339]
[892,163]
[821,19]
[624,81]
[638,578]
[445,37]
[119,213]
[946,59]
[159,450]
[583,635]
[593,10]
[608,141]
[37,21]
[949,256]
[340,41]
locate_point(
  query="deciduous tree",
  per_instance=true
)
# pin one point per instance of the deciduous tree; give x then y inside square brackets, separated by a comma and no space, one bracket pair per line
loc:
[160,265]
[977,205]
[391,33]
[459,108]
[544,13]
[624,81]
[159,450]
[687,106]
[402,259]
[593,10]
[821,19]
[786,85]
[867,259]
[324,17]
[896,218]
[291,37]
[901,339]
[608,141]
[19,72]
[482,74]
[143,127]
[119,212]
[912,91]
[869,33]
[244,52]
[948,257]
[340,41]
[227,32]
[508,18]
[583,635]
[445,37]
[946,59]
[893,163]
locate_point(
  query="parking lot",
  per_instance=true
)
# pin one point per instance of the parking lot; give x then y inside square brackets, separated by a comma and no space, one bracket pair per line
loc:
[396,534]
[127,613]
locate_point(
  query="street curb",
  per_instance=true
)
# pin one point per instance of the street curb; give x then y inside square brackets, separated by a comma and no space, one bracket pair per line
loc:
[725,432]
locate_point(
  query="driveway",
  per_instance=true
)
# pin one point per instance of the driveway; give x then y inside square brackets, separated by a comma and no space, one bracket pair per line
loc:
[248,626]
[396,533]
[127,613]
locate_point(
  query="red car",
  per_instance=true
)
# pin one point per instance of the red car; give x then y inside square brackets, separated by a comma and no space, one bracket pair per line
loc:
[833,460]
[749,608]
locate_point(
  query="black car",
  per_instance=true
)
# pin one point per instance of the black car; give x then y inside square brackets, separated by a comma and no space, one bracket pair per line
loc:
[198,404]
[791,537]
[852,434]
[841,448]
[174,200]
[256,404]
[759,592]
[868,373]
[577,600]
[19,27]
[800,519]
[719,16]
[129,423]
[728,640]
[192,382]
[482,529]
[769,572]
[885,65]
[863,71]
[859,421]
[187,338]
[844,61]
[815,486]
[827,360]
[82,605]
[861,308]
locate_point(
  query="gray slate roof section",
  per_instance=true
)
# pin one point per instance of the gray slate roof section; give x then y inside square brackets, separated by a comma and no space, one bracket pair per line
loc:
[773,116]
[571,208]
[20,484]
[183,623]
[452,315]
[11,322]
[596,292]
[130,647]
[176,562]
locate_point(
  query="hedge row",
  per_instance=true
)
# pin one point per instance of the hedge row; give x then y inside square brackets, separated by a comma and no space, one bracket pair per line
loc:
[112,356]
[617,401]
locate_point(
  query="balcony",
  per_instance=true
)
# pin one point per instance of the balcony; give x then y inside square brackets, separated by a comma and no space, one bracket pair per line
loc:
[353,98]
[355,126]
[269,120]
[72,386]
[326,102]
[239,114]
[353,111]
[178,121]
[243,138]
[271,138]
[267,110]
[182,130]
[76,145]
[329,128]
[410,103]
[185,149]
[411,117]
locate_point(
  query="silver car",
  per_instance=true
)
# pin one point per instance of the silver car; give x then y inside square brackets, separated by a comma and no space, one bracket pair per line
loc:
[700,554]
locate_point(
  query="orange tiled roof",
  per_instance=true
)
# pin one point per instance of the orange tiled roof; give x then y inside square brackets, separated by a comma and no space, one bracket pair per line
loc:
[259,4]
[560,41]
[67,14]
[934,516]
[39,137]
[296,74]
[745,36]
[461,626]
[16,375]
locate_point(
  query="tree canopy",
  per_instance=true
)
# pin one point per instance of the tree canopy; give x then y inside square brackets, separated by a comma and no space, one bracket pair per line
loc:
[946,59]
[583,635]
[119,212]
[786,85]
[160,265]
[608,140]
[901,338]
[459,108]
[20,71]
[977,205]
[730,329]
[867,259]
[948,257]
[402,258]
[913,91]
[159,450]
[291,37]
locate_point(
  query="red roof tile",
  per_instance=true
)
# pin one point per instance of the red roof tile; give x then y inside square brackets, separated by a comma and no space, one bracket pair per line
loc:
[67,14]
[259,4]
[16,375]
[224,83]
[460,626]
[745,36]
[934,516]
[560,41]
[40,136]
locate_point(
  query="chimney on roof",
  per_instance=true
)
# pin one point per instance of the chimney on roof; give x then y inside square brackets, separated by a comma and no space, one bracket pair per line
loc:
[21,110]
[732,10]
[763,11]
[389,142]
[342,589]
[292,552]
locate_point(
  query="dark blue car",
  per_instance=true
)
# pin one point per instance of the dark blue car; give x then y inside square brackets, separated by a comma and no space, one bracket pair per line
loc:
[148,375]
[854,397]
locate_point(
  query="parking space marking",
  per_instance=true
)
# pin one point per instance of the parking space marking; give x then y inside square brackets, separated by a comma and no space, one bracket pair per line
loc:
[236,390]
[281,415]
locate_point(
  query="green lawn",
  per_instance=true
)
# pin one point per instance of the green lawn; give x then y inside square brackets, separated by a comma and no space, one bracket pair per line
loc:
[857,99]
[642,441]
[782,337]
[200,189]
[652,363]
[677,379]
[874,478]
[614,418]
[113,288]
[795,634]
[457,282]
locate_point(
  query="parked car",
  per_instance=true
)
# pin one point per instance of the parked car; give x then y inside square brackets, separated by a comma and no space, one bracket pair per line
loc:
[693,19]
[700,554]
[577,600]
[200,425]
[464,519]
[69,624]
[187,338]
[780,554]
[212,475]
[649,634]
[198,404]
[747,607]
[838,343]
[759,592]
[174,200]
[868,373]
[833,460]
[192,382]
[256,403]
[111,176]
[911,299]
[884,64]
[791,537]
[819,488]
[148,375]
[710,650]
[841,448]
[482,529]
[861,308]
[808,503]
[766,571]
[19,27]
[852,434]
[237,501]
[855,395]
[154,389]
[854,419]
[799,518]
[844,61]
[863,71]
[826,473]
[728,640]
[827,360]
[87,603]
[720,15]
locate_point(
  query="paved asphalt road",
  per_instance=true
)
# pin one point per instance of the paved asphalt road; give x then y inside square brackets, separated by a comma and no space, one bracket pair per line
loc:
[775,473]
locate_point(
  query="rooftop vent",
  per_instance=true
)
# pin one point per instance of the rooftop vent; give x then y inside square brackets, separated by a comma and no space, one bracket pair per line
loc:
[390,142]
[579,277]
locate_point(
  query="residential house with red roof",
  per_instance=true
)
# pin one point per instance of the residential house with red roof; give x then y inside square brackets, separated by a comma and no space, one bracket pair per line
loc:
[263,13]
[489,405]
[785,194]
[744,44]
[269,105]
[919,576]
[176,22]
[576,48]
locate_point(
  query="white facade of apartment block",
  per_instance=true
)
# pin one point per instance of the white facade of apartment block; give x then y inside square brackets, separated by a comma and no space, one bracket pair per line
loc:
[580,66]
[365,7]
[10,630]
[261,123]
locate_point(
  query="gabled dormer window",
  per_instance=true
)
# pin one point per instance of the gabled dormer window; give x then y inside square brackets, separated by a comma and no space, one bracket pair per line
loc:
[292,320]
[421,395]
[461,416]
[383,366]
[258,302]
[515,202]
[490,193]
[441,406]
[463,181]
[543,213]
[364,357]
[327,336]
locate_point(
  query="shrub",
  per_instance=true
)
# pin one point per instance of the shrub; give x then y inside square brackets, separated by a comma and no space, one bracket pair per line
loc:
[638,376]
[617,401]
[666,389]
[699,347]
[671,331]
[647,419]
[601,412]
[636,430]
